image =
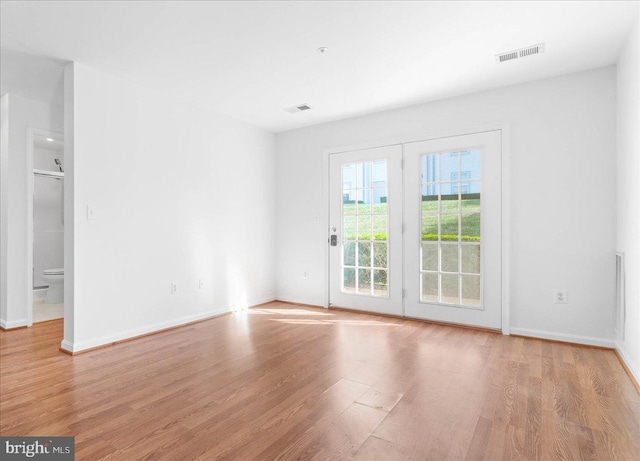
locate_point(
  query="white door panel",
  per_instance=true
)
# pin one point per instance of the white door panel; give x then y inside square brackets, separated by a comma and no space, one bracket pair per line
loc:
[366,227]
[452,248]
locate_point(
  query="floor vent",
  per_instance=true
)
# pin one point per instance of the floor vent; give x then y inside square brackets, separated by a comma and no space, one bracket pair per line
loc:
[521,53]
[620,312]
[298,108]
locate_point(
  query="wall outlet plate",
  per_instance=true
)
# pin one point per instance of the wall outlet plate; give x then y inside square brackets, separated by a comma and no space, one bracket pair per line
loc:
[201,284]
[560,296]
[174,288]
[92,212]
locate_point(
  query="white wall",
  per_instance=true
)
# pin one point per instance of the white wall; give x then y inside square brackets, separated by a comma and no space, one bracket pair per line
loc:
[4,225]
[44,158]
[181,194]
[628,191]
[23,113]
[562,195]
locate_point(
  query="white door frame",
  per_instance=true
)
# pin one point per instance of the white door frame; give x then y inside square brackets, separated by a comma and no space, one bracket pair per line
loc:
[505,130]
[31,134]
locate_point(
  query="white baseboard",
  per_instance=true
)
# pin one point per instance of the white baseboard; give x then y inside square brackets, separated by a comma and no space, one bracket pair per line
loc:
[286,299]
[633,369]
[109,339]
[567,338]
[258,301]
[13,324]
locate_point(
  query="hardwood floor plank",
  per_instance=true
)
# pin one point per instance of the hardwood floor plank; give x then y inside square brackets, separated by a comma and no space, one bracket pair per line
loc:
[480,439]
[319,416]
[380,400]
[496,442]
[346,434]
[533,433]
[375,449]
[514,448]
[286,381]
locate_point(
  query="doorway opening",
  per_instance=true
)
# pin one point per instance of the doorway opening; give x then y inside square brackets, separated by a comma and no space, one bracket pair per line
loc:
[46,226]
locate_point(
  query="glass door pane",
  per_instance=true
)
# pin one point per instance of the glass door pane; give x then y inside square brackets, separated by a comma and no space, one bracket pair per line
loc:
[48,226]
[450,217]
[453,208]
[365,218]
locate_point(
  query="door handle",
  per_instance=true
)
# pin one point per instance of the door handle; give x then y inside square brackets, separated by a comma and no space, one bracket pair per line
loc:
[334,240]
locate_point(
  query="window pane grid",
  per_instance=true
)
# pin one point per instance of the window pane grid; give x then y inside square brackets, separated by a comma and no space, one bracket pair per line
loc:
[365,228]
[450,220]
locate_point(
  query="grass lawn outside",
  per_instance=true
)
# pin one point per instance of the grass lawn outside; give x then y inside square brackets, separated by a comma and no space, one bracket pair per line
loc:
[459,219]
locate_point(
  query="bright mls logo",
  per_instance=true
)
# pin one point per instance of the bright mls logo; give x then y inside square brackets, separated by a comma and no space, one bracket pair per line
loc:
[37,448]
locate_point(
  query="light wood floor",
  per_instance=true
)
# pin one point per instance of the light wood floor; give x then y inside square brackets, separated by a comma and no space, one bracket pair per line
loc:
[290,382]
[43,312]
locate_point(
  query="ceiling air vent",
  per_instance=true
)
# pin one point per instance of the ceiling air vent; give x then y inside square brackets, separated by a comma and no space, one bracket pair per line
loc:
[507,56]
[521,53]
[299,108]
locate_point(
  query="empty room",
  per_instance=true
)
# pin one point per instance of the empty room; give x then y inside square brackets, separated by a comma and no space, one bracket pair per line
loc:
[260,230]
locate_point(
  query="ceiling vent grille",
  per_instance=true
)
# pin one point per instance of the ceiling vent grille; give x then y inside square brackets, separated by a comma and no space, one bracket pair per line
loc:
[507,56]
[298,108]
[521,53]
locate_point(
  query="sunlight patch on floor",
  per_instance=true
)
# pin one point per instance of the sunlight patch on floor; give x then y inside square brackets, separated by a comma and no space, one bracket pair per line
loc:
[335,322]
[289,312]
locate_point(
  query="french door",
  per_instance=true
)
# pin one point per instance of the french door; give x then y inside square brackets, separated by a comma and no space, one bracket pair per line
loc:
[453,238]
[423,240]
[365,251]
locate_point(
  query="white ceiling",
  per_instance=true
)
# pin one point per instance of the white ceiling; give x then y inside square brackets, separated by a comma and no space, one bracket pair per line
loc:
[250,60]
[37,77]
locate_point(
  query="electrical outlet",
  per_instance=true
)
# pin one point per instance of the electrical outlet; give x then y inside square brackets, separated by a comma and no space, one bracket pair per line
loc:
[92,212]
[174,288]
[305,275]
[560,296]
[200,284]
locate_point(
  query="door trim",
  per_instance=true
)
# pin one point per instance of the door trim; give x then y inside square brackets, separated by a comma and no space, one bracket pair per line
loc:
[326,201]
[428,135]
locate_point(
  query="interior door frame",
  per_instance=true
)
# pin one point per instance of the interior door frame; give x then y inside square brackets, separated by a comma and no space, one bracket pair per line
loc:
[428,135]
[31,134]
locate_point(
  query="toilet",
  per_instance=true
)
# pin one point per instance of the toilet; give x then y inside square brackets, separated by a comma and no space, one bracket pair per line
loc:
[55,279]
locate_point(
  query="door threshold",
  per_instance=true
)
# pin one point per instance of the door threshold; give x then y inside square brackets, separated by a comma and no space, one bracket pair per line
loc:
[435,322]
